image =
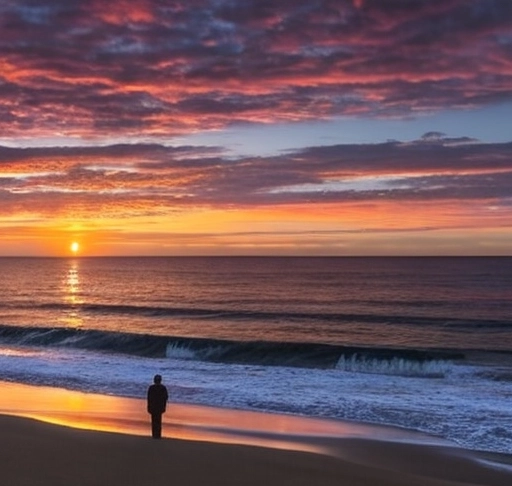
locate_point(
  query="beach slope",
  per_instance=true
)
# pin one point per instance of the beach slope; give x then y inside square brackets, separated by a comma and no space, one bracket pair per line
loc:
[35,453]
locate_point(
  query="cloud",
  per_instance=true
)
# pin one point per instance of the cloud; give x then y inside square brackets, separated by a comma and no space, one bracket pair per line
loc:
[102,69]
[142,179]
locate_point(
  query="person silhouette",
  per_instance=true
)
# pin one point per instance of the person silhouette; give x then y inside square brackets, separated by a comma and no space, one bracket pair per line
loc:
[157,402]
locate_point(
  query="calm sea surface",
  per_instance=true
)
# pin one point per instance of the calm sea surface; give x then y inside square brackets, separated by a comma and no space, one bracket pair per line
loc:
[424,343]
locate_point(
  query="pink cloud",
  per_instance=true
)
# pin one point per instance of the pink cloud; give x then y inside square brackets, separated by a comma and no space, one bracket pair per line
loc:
[103,69]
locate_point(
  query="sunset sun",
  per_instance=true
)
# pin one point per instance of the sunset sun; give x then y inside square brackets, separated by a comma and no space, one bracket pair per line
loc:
[75,247]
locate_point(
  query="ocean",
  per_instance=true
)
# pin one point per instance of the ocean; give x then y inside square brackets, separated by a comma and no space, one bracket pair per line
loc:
[420,343]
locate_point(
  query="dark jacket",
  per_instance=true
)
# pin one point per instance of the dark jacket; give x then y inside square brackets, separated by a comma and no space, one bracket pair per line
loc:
[157,398]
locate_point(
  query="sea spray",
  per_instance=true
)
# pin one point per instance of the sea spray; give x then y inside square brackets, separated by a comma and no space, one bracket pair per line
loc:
[179,351]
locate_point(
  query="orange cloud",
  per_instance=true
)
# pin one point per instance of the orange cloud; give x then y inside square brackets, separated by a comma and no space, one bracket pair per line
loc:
[121,12]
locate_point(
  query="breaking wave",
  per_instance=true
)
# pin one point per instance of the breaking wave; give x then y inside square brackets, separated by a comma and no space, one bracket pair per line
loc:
[428,368]
[403,362]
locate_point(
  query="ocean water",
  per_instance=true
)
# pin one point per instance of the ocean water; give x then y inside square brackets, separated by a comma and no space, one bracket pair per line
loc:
[421,343]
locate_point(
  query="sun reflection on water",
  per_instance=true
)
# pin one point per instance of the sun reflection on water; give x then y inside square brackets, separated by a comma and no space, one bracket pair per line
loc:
[72,295]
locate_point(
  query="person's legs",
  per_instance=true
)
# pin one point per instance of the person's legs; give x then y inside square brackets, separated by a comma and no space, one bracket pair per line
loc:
[156,425]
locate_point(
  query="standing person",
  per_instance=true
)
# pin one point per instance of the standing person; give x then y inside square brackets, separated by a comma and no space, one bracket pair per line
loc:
[157,402]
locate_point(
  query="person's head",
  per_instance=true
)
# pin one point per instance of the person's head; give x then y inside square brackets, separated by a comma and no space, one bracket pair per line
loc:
[157,379]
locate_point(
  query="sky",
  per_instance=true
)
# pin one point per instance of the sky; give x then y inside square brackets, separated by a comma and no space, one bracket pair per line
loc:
[256,127]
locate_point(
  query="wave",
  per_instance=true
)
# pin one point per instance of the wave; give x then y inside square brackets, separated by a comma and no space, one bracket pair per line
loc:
[405,362]
[260,315]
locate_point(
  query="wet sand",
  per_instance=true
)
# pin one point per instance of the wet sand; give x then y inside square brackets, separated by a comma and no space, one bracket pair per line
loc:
[210,446]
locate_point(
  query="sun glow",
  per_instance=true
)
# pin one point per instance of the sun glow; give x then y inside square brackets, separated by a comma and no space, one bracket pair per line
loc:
[75,247]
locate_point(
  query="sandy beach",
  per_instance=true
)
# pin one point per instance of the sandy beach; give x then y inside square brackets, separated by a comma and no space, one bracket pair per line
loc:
[101,440]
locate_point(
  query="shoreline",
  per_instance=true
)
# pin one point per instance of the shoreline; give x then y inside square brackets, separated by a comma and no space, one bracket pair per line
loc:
[202,444]
[124,415]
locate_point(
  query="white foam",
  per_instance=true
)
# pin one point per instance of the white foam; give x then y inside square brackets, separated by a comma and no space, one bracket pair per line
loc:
[177,351]
[394,366]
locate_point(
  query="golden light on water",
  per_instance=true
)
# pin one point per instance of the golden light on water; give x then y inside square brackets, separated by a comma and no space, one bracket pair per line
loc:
[72,295]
